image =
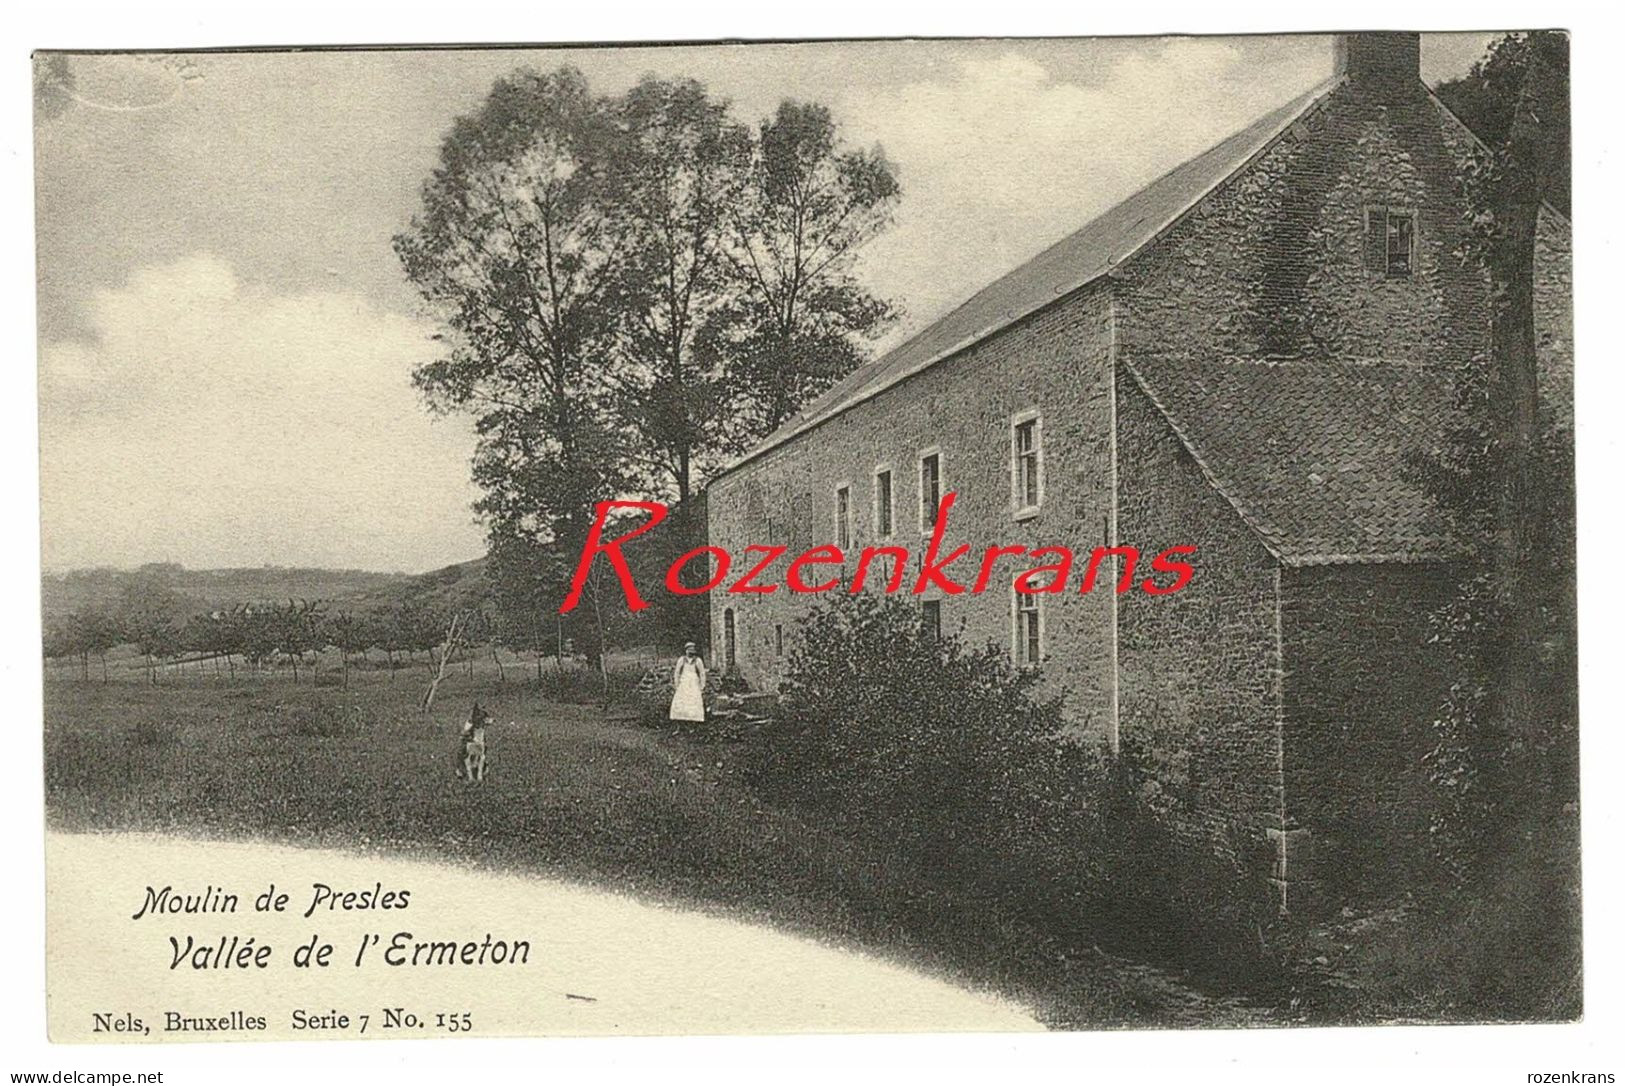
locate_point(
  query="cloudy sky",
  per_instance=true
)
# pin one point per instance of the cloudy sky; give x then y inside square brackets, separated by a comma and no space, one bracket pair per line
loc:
[227,340]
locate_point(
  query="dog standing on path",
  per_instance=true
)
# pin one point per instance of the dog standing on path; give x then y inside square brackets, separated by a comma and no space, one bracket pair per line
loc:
[471,746]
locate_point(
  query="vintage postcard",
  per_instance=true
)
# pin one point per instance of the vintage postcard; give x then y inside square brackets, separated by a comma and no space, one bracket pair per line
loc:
[912,535]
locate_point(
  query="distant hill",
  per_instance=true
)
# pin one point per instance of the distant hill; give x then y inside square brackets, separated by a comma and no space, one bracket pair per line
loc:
[62,594]
[448,588]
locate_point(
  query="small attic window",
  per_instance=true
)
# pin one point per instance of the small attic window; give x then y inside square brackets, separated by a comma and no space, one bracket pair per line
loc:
[1390,240]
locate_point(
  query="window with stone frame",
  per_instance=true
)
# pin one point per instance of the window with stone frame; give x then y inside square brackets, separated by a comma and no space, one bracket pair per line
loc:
[1029,631]
[1026,464]
[931,619]
[843,517]
[930,488]
[884,506]
[1390,240]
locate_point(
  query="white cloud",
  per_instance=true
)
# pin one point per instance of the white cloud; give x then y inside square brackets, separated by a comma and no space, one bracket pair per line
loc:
[199,418]
[998,158]
[212,423]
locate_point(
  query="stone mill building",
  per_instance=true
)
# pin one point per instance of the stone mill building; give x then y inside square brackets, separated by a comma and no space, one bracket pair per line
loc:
[1244,356]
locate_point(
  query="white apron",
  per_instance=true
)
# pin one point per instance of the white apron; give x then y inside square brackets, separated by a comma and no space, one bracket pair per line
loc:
[687,700]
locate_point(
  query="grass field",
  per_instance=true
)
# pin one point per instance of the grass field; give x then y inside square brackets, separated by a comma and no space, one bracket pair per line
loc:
[570,792]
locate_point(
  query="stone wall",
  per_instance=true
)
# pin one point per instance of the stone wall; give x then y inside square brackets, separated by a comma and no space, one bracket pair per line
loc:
[1275,263]
[1055,361]
[1272,263]
[1362,687]
[1268,698]
[1199,670]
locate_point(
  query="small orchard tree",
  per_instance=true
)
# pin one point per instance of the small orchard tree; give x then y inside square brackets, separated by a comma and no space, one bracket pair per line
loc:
[150,614]
[198,637]
[226,638]
[86,632]
[98,633]
[256,632]
[60,642]
[298,631]
[399,632]
[350,633]
[423,628]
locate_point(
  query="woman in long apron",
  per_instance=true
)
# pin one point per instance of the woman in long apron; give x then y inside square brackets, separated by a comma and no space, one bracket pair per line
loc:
[688,686]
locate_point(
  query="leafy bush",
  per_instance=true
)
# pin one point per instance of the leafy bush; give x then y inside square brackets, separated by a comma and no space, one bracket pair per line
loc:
[948,755]
[577,684]
[885,729]
[1162,889]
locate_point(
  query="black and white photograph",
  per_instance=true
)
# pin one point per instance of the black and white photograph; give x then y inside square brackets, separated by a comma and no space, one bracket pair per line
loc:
[903,535]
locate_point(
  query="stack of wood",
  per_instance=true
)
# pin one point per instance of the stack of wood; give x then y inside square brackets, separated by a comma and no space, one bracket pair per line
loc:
[655,684]
[751,707]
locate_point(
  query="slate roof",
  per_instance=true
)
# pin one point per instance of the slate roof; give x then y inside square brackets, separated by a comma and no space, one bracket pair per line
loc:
[1069,264]
[1316,456]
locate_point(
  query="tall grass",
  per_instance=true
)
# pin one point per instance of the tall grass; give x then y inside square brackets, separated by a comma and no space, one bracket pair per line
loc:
[573,683]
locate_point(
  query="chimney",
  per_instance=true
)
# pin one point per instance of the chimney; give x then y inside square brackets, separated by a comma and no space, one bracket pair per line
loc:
[1380,57]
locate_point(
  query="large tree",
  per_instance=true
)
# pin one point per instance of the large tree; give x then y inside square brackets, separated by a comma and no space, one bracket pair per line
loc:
[512,248]
[798,319]
[1506,759]
[683,164]
[630,289]
[526,587]
[1487,99]
[1511,461]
